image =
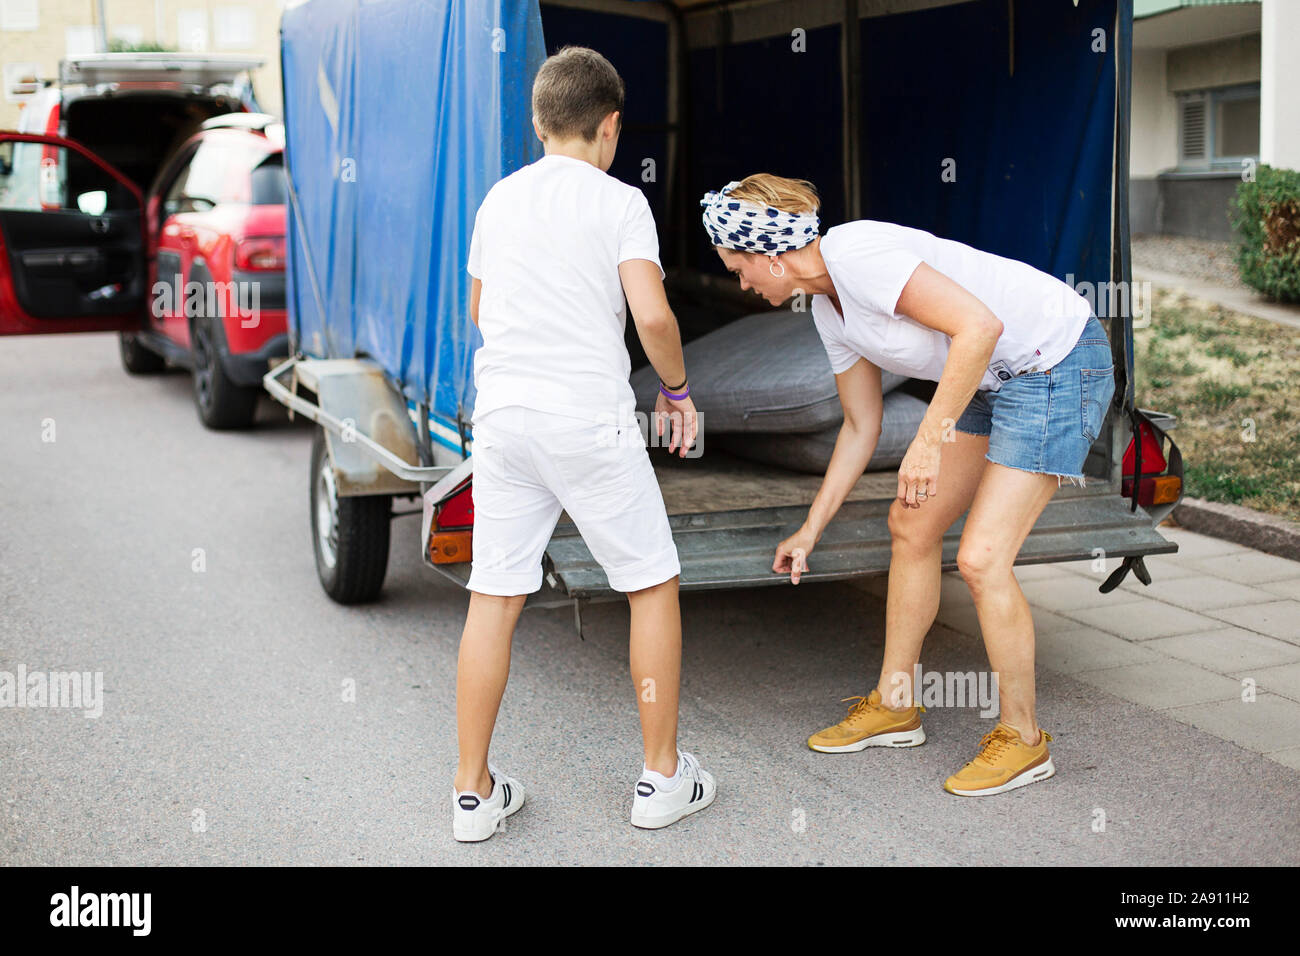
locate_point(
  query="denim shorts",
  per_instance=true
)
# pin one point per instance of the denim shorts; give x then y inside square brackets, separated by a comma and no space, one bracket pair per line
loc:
[1045,422]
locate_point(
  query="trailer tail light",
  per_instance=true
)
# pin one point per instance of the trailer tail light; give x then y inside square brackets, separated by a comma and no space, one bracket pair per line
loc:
[1159,490]
[450,547]
[452,535]
[457,511]
[260,254]
[1153,456]
[1154,487]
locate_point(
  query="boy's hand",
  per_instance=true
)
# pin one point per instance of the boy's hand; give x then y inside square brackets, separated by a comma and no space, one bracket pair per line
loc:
[681,417]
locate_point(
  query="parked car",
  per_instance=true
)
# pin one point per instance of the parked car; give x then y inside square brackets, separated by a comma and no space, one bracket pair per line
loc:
[141,196]
[215,218]
[194,277]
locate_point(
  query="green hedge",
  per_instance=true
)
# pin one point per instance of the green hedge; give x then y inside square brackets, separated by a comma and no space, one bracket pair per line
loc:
[1268,221]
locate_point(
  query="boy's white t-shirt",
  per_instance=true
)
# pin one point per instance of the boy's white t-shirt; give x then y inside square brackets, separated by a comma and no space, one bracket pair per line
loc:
[547,243]
[869,264]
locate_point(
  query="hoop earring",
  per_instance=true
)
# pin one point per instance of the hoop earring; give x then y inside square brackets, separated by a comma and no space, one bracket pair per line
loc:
[772,262]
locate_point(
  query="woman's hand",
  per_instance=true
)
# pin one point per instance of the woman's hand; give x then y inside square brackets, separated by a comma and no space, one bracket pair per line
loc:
[918,475]
[682,419]
[792,554]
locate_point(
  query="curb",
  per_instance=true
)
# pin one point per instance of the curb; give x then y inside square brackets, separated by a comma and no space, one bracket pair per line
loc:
[1263,532]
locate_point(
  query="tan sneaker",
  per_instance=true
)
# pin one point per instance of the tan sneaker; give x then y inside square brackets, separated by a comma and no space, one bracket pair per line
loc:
[871,724]
[1004,762]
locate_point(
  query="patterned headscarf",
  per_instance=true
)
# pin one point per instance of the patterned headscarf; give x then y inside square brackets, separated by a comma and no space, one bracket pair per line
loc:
[748,227]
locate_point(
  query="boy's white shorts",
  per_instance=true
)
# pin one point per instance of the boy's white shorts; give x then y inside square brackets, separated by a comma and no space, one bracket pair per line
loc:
[531,465]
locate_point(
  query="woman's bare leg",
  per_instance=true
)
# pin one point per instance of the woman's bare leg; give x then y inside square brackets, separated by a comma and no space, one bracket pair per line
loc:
[915,563]
[1006,506]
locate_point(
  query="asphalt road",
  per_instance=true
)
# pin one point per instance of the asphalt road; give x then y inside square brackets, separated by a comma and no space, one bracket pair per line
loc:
[224,689]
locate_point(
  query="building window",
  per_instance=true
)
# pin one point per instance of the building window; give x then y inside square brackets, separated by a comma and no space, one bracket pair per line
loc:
[1217,129]
[192,30]
[20,15]
[235,27]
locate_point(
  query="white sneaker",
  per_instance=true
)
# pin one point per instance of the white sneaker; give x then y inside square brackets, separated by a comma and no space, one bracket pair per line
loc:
[474,819]
[653,808]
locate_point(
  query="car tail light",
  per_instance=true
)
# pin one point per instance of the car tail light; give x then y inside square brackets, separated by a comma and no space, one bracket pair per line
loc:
[260,254]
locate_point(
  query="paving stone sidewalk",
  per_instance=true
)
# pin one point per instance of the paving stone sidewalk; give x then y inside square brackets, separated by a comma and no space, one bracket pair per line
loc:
[1243,300]
[1216,617]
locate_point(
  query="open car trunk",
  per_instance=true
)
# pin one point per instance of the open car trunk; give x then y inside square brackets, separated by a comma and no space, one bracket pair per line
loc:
[134,109]
[137,133]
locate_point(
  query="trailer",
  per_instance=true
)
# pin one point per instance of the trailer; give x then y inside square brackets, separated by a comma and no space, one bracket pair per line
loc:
[999,123]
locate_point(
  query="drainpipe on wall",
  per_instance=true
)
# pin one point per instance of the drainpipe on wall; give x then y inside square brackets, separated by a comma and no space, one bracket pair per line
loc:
[103,27]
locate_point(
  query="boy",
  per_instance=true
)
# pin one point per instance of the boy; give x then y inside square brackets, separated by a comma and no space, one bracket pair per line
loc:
[556,247]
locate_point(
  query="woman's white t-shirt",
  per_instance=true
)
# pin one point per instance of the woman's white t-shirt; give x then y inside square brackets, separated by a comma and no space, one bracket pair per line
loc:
[869,264]
[547,243]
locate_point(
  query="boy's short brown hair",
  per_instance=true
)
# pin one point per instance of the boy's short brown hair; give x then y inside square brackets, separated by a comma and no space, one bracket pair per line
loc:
[574,90]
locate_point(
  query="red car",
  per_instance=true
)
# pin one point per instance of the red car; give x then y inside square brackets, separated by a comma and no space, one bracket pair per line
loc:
[190,273]
[216,220]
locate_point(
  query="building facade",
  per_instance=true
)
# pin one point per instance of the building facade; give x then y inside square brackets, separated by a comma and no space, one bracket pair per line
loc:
[1216,91]
[36,34]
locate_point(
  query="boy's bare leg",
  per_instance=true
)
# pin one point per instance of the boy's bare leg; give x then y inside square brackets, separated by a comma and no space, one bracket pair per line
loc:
[655,650]
[481,674]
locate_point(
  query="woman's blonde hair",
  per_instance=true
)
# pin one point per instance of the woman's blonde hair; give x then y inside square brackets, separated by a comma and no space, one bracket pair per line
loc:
[787,195]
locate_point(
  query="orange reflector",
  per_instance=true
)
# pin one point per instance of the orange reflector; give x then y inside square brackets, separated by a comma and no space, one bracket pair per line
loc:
[1166,489]
[1158,490]
[450,547]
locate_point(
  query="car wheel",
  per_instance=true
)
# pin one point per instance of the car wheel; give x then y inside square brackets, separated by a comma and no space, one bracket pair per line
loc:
[220,402]
[136,359]
[349,535]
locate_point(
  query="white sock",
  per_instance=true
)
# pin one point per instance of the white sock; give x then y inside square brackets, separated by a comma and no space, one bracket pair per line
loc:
[659,780]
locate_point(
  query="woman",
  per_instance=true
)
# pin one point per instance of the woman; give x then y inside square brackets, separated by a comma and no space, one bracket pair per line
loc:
[1024,374]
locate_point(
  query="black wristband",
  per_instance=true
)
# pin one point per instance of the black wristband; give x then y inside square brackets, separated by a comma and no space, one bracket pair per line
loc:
[674,388]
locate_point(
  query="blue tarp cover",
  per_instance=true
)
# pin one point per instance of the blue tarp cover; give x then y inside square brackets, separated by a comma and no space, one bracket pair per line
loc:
[401,114]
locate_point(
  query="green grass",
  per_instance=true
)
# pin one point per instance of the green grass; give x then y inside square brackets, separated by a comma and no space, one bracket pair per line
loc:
[1218,396]
[1230,352]
[1222,481]
[1216,369]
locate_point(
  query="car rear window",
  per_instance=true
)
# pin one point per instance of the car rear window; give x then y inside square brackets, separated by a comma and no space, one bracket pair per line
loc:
[268,185]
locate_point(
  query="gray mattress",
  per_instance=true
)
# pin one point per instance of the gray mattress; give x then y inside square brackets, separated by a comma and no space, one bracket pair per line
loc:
[811,451]
[762,373]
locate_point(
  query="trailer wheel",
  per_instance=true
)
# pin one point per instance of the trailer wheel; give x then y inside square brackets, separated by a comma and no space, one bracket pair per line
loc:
[136,359]
[349,535]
